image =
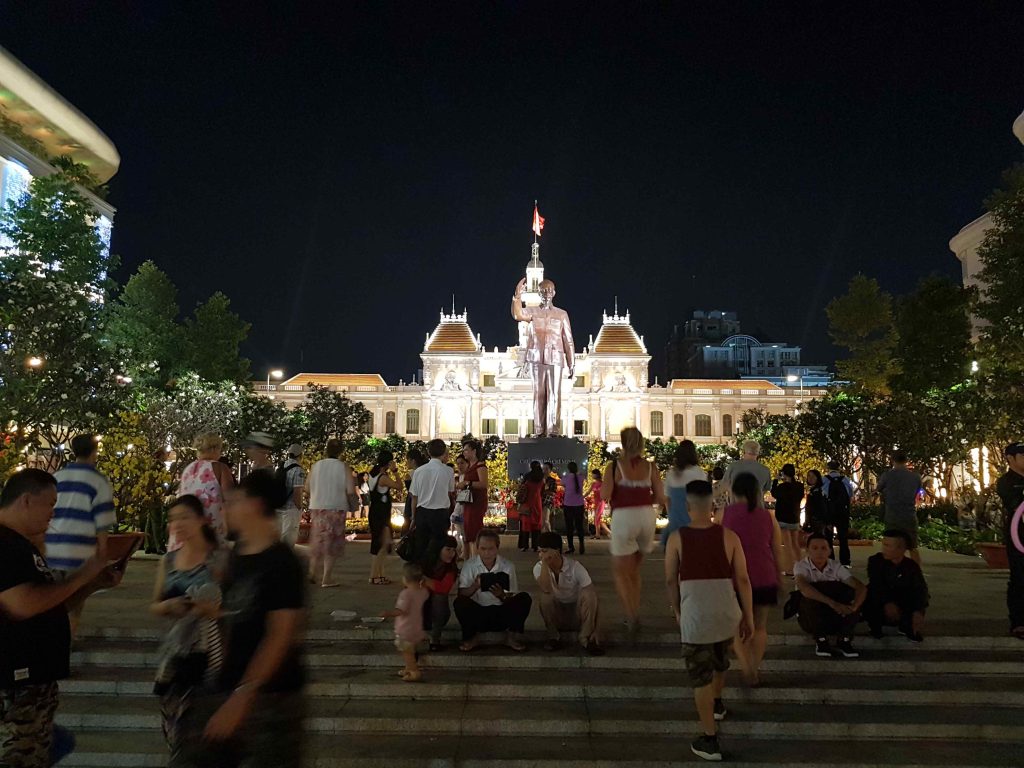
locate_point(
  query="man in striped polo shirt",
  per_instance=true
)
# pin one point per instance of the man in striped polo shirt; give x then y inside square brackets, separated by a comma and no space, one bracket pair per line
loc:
[82,517]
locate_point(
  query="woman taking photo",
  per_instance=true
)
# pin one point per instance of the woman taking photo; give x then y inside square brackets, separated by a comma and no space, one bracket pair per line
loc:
[685,469]
[475,481]
[762,547]
[633,486]
[380,485]
[600,528]
[788,493]
[815,511]
[197,561]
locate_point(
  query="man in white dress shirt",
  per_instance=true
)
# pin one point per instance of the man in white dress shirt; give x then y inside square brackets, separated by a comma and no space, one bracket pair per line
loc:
[568,597]
[432,490]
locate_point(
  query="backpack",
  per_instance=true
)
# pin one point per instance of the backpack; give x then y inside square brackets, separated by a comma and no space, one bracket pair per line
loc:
[837,503]
[281,478]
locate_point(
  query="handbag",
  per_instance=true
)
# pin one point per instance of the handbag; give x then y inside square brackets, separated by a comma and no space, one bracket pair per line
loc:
[405,548]
[465,496]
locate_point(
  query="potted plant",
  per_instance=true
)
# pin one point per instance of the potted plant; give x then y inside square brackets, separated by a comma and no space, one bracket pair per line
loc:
[992,549]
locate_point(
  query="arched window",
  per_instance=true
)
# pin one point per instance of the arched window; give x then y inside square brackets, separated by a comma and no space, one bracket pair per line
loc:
[389,423]
[412,421]
[702,425]
[727,425]
[657,423]
[679,425]
[367,424]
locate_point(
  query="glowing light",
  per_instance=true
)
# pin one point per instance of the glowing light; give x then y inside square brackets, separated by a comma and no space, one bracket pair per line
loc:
[397,520]
[662,522]
[34,362]
[974,366]
[277,373]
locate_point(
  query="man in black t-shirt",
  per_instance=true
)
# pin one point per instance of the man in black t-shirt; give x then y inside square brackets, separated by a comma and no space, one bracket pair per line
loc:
[35,637]
[255,716]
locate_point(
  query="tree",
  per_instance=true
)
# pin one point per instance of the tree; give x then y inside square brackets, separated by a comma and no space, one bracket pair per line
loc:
[326,413]
[144,321]
[56,376]
[765,428]
[793,448]
[213,338]
[934,337]
[862,322]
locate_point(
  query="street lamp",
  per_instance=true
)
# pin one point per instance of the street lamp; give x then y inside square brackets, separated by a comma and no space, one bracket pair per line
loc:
[793,377]
[276,373]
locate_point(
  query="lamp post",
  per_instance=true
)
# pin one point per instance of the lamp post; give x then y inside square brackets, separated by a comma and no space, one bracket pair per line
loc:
[275,373]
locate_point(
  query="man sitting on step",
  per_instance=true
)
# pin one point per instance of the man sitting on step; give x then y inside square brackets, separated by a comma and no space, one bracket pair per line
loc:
[489,598]
[568,597]
[830,598]
[897,591]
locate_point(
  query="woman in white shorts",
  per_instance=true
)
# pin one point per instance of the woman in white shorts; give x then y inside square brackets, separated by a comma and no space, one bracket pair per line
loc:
[632,487]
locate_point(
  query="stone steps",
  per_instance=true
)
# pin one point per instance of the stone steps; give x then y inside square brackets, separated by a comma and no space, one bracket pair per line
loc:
[136,750]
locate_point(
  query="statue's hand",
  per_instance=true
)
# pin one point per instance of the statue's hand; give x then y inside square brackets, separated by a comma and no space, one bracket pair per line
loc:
[520,287]
[572,372]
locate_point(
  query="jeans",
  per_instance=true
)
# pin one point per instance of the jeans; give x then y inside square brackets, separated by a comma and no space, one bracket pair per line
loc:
[510,616]
[436,614]
[574,524]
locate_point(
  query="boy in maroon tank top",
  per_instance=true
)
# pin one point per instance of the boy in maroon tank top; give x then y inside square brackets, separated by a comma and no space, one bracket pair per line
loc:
[704,571]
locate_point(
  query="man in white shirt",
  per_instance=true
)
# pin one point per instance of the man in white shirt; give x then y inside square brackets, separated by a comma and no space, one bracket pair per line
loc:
[484,603]
[432,490]
[830,599]
[290,515]
[568,597]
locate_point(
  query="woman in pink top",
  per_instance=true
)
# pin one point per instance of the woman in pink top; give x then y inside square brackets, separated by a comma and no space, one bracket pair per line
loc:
[762,547]
[600,529]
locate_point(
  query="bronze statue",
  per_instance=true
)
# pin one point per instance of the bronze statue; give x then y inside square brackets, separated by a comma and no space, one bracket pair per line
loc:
[549,351]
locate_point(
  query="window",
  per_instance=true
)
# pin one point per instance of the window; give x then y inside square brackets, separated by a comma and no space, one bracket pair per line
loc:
[579,427]
[727,425]
[367,424]
[488,379]
[581,381]
[657,423]
[389,423]
[702,425]
[679,425]
[412,421]
[511,427]
[489,426]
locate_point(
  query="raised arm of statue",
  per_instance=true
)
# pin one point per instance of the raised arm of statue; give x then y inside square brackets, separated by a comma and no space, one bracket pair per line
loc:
[518,312]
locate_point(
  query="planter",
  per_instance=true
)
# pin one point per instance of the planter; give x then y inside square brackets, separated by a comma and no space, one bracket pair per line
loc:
[993,553]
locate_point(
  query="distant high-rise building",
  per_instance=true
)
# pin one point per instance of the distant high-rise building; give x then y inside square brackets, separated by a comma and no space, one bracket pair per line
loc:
[684,357]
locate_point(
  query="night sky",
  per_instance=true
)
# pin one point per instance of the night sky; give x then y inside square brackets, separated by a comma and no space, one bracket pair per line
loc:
[341,172]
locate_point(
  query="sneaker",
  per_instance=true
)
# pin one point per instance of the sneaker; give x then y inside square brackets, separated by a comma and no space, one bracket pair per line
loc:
[707,747]
[914,637]
[720,710]
[846,648]
[822,648]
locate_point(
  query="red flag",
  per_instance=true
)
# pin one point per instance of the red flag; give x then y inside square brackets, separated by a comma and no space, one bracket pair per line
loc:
[538,221]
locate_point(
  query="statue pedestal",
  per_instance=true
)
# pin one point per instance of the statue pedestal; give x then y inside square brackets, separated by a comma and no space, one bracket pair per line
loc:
[558,450]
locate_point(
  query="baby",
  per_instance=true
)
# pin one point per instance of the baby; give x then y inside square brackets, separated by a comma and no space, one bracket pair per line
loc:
[408,616]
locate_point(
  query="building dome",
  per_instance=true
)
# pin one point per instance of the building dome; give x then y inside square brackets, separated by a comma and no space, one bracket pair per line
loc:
[452,336]
[617,337]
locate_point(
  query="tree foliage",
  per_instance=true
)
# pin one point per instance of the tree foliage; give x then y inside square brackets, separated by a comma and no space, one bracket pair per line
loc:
[56,376]
[144,321]
[861,321]
[213,339]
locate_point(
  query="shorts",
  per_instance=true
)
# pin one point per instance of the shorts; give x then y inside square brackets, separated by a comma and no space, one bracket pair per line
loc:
[26,724]
[702,661]
[789,526]
[633,530]
[288,522]
[765,595]
[405,645]
[909,528]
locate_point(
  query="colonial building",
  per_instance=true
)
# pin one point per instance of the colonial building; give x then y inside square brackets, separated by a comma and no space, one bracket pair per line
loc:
[468,388]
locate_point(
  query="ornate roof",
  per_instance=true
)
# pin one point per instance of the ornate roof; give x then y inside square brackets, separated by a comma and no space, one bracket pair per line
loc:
[617,337]
[452,336]
[337,379]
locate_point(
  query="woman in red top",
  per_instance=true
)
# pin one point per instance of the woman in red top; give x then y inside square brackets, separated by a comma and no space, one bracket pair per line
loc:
[633,486]
[439,576]
[476,480]
[531,511]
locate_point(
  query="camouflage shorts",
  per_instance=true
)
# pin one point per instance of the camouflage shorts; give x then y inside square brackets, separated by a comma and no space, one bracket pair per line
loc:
[26,725]
[702,661]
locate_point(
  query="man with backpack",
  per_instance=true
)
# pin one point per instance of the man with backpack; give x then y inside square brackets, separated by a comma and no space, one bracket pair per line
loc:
[292,476]
[838,492]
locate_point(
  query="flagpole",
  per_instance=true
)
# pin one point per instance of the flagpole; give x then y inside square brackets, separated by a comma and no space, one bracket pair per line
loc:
[535,215]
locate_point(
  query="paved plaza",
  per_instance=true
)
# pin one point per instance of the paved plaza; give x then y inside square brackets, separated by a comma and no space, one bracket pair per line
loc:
[955,700]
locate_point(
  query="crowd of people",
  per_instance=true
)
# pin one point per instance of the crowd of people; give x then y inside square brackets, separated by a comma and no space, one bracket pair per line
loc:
[231,678]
